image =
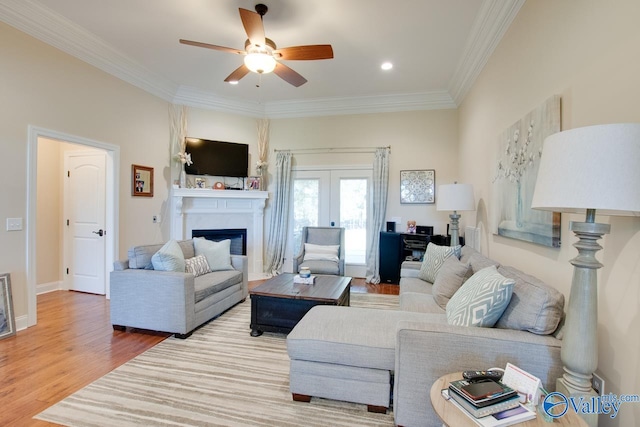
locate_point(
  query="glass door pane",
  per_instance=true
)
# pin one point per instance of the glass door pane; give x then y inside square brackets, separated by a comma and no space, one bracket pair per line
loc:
[353,217]
[306,198]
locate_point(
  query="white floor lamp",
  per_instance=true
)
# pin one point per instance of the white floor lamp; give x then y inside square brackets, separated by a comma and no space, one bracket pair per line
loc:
[584,170]
[455,197]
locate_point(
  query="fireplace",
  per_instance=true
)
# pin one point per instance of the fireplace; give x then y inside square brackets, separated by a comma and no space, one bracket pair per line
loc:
[238,237]
[194,210]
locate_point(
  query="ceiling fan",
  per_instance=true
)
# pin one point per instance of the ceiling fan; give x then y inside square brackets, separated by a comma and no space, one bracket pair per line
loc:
[261,55]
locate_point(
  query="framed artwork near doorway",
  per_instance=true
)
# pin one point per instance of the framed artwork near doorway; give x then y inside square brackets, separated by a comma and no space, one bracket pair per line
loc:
[7,318]
[141,181]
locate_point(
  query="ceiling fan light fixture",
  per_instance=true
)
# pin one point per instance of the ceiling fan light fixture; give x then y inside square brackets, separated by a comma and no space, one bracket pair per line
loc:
[261,63]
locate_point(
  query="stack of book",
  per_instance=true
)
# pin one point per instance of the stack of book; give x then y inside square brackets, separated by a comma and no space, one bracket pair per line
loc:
[304,280]
[489,403]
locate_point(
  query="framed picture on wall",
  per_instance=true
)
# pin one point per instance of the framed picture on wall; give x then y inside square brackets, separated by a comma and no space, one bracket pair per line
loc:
[418,186]
[7,317]
[141,181]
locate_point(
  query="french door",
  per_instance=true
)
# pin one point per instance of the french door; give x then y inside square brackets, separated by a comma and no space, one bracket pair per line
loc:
[333,197]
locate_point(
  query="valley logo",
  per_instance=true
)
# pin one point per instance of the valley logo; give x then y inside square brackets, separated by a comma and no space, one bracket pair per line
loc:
[557,404]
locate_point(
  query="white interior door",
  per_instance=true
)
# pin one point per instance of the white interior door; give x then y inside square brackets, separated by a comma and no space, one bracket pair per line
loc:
[85,196]
[332,197]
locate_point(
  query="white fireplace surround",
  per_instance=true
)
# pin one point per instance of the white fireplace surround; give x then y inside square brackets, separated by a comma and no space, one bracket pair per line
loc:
[193,209]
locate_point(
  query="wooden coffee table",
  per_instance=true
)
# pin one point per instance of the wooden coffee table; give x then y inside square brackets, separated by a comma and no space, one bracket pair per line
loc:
[278,304]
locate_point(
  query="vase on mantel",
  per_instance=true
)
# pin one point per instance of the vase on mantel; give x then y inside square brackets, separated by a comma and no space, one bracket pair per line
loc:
[183,177]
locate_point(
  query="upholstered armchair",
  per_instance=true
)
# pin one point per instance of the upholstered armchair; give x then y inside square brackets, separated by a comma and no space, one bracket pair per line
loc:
[322,250]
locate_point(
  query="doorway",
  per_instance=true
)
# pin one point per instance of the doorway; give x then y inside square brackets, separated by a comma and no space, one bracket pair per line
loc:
[332,197]
[37,136]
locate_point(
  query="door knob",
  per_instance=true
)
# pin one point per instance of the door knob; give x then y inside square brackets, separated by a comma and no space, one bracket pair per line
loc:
[333,223]
[100,232]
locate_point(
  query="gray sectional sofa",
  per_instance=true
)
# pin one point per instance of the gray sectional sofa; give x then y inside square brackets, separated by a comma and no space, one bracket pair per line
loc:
[368,355]
[168,301]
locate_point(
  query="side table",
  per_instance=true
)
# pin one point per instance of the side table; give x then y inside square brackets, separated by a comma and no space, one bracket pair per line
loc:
[454,417]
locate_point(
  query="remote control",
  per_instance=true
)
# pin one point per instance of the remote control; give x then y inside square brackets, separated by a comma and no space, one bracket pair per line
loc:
[482,375]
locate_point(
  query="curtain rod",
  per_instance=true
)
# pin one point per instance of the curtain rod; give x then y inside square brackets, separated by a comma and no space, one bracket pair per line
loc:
[333,150]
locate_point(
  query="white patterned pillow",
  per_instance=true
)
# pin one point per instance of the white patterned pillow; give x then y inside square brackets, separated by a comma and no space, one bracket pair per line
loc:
[481,300]
[197,265]
[434,257]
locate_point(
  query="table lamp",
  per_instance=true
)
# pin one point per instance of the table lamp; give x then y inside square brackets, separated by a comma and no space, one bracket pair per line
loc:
[455,197]
[585,170]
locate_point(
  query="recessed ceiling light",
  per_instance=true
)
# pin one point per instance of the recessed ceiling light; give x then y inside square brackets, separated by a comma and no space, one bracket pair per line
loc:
[386,66]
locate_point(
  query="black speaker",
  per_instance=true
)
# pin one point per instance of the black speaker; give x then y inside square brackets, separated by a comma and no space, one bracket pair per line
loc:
[390,253]
[391,226]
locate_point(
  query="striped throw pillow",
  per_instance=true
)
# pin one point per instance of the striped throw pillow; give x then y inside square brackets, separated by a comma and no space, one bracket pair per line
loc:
[197,265]
[434,257]
[481,300]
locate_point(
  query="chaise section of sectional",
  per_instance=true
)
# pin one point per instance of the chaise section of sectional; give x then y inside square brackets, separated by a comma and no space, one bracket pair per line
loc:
[347,354]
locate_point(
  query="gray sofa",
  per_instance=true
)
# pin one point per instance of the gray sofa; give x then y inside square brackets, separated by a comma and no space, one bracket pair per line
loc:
[174,302]
[366,355]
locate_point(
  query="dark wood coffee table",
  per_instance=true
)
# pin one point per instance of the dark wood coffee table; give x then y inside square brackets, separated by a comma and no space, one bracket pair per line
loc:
[278,304]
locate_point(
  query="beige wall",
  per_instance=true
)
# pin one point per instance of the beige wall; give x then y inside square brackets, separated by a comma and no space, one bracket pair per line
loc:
[585,51]
[418,140]
[44,87]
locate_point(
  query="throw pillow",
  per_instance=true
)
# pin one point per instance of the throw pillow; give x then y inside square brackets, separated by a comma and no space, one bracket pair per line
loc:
[197,265]
[169,258]
[481,300]
[321,252]
[218,254]
[448,281]
[434,258]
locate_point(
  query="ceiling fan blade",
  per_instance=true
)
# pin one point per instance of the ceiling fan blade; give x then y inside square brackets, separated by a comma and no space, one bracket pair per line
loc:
[237,74]
[310,52]
[288,75]
[212,46]
[253,26]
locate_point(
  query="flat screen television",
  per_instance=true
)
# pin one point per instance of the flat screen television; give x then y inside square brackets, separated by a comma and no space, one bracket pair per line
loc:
[217,158]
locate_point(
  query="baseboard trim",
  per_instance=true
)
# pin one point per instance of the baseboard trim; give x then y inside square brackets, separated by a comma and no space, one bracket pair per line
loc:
[44,288]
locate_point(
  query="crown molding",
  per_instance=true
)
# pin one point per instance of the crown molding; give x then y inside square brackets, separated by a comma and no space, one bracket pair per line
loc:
[360,105]
[49,27]
[491,24]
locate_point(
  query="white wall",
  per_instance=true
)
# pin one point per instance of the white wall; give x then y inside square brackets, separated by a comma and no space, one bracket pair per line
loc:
[587,52]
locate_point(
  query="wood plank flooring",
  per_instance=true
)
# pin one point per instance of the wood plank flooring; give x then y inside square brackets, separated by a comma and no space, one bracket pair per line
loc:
[72,346]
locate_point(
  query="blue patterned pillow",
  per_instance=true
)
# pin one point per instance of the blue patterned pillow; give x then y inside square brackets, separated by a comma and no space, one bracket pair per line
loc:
[434,257]
[481,300]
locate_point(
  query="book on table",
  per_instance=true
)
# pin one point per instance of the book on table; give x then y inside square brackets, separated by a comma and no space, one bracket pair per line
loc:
[519,413]
[482,393]
[304,280]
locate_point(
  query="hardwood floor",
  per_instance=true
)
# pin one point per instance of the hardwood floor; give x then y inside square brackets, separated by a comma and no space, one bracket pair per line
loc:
[72,346]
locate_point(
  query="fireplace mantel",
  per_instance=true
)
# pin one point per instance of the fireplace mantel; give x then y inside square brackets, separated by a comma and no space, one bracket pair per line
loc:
[196,208]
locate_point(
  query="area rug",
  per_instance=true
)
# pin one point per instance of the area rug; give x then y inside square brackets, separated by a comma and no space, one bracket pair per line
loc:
[220,376]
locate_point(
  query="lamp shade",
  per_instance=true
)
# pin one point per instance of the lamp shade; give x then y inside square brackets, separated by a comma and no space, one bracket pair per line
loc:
[455,197]
[594,167]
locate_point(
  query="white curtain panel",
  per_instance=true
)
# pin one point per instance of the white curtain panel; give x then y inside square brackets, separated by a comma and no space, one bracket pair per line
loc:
[380,190]
[277,239]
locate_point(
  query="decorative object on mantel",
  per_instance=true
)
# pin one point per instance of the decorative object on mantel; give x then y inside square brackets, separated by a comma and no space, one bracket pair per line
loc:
[263,152]
[518,159]
[177,135]
[455,197]
[253,183]
[141,181]
[584,170]
[7,317]
[418,186]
